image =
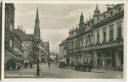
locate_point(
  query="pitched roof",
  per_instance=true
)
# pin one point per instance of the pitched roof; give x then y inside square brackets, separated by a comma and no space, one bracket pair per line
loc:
[23,35]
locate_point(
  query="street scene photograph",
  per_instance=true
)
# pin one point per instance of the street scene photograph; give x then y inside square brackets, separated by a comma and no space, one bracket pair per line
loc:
[64,41]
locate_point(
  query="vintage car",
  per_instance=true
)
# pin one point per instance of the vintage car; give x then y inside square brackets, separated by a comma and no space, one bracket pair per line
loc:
[87,66]
[83,67]
[62,63]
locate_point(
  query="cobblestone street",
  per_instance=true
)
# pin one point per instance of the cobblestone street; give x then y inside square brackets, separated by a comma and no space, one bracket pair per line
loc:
[56,72]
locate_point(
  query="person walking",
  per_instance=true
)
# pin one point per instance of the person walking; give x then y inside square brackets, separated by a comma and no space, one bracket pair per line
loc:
[49,64]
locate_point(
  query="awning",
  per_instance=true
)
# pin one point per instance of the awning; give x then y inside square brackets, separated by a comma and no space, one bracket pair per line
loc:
[9,56]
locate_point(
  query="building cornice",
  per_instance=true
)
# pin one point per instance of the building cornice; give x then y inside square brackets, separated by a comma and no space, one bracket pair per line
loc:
[108,20]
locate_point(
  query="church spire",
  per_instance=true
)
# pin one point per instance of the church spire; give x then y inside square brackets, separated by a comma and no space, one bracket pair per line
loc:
[81,17]
[37,16]
[37,27]
[97,11]
[81,23]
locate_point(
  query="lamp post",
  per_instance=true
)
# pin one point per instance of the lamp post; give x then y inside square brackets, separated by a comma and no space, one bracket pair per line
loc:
[37,47]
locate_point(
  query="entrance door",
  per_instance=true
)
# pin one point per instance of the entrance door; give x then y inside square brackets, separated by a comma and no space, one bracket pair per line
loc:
[99,59]
[121,57]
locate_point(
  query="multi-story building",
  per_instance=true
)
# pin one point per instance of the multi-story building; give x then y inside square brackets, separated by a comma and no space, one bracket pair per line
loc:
[9,30]
[27,45]
[46,54]
[26,42]
[63,49]
[98,40]
[18,51]
[108,36]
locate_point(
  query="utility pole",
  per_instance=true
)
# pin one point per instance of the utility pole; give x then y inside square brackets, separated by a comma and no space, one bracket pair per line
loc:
[37,55]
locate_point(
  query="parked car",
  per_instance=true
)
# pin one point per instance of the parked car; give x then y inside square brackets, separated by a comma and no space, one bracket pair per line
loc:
[62,64]
[87,66]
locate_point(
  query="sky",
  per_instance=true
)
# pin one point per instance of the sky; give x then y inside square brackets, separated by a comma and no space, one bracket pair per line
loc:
[55,19]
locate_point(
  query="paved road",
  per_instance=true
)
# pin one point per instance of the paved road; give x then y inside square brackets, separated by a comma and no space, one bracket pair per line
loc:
[56,72]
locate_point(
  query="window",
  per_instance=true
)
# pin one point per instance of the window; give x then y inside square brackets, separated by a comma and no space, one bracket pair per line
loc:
[86,41]
[119,30]
[76,44]
[98,36]
[10,43]
[104,34]
[111,33]
[82,42]
[11,28]
[111,13]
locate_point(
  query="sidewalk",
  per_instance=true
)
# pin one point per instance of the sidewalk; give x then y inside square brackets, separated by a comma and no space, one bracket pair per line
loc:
[25,73]
[56,72]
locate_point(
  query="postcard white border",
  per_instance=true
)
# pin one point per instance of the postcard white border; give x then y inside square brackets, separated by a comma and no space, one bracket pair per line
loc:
[67,80]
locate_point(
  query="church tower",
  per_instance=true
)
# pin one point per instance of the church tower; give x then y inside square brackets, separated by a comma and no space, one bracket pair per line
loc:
[81,23]
[37,27]
[81,18]
[97,11]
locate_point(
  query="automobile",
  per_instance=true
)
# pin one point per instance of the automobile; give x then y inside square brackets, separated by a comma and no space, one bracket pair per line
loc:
[87,66]
[62,64]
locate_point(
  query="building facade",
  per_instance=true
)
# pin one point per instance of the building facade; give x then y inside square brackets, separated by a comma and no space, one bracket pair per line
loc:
[63,49]
[25,42]
[18,51]
[45,55]
[9,30]
[99,40]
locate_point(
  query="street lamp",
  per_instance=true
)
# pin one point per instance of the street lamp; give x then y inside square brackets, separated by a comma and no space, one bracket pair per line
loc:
[37,47]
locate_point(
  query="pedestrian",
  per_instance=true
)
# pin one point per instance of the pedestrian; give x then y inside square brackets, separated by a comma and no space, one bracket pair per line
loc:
[30,65]
[49,64]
